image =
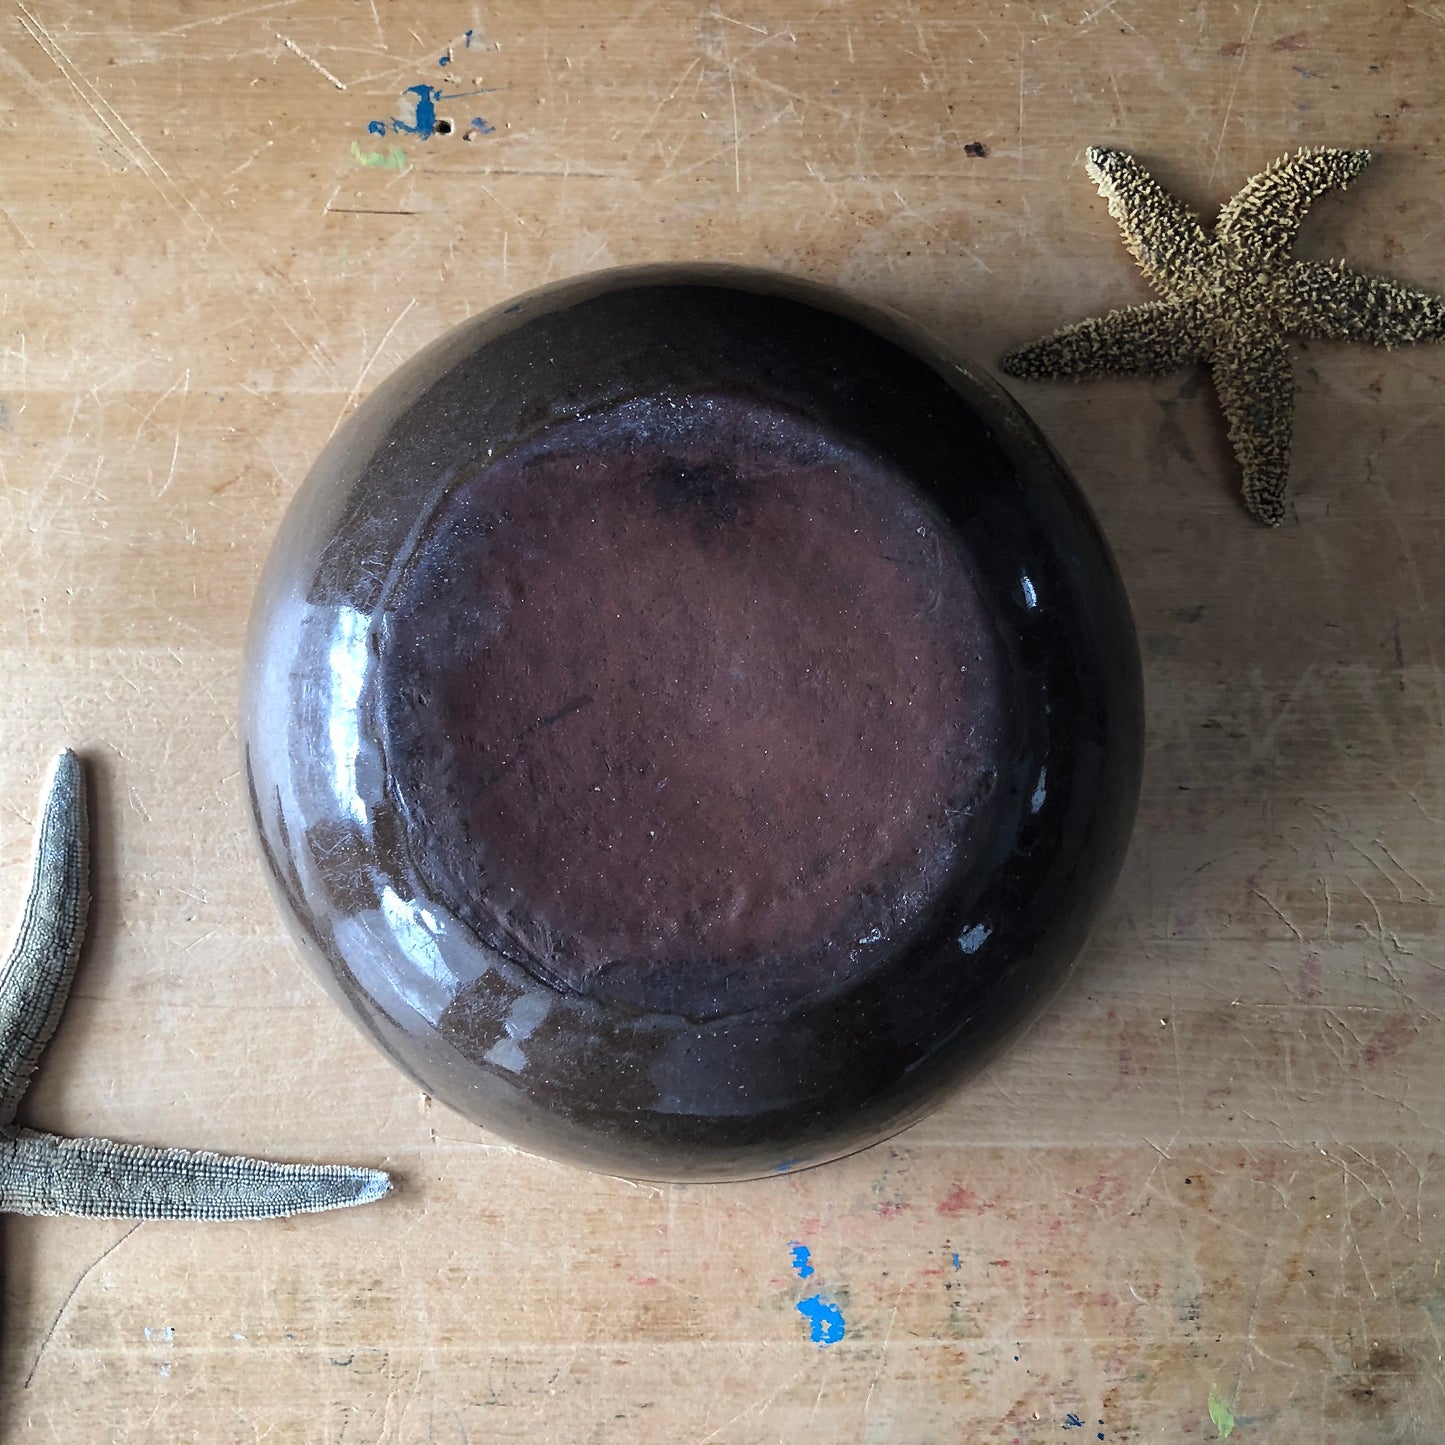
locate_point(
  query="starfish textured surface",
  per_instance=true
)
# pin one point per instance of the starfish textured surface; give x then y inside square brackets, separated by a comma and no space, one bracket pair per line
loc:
[47,1174]
[1232,297]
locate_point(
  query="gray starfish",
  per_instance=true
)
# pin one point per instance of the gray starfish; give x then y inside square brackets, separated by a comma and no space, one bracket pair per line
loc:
[1232,297]
[47,1174]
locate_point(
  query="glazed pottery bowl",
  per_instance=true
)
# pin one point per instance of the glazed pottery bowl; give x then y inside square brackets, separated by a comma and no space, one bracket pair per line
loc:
[690,721]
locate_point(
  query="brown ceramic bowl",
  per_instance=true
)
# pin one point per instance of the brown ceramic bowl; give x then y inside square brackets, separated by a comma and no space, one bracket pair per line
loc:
[690,721]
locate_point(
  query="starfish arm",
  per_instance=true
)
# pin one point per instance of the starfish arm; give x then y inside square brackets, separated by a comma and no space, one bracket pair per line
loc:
[1255,383]
[101,1179]
[1331,300]
[1263,218]
[41,964]
[1164,235]
[1147,340]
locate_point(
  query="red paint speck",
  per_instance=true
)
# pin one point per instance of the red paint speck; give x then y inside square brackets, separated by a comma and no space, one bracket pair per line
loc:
[1388,1040]
[962,1198]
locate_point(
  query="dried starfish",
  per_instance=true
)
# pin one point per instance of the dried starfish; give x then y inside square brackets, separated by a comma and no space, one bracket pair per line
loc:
[46,1174]
[1231,299]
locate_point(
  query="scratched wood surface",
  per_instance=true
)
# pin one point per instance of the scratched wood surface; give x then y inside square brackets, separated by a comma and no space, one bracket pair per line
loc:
[1203,1197]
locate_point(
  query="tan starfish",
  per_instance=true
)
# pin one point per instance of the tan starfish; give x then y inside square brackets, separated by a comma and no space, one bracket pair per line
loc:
[1231,299]
[47,1174]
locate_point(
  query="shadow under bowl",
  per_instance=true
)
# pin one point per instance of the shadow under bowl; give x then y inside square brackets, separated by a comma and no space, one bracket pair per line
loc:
[690,721]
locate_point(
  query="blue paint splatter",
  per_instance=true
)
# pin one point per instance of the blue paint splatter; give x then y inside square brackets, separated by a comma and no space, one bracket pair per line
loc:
[802,1257]
[1072,1422]
[786,1165]
[469,39]
[425,123]
[425,98]
[971,940]
[955,1259]
[424,120]
[1040,793]
[444,60]
[825,1320]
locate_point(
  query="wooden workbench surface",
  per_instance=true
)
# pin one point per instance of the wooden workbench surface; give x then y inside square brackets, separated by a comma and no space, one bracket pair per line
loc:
[1203,1196]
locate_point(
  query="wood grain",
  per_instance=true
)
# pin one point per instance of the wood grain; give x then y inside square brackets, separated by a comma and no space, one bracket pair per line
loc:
[1214,1169]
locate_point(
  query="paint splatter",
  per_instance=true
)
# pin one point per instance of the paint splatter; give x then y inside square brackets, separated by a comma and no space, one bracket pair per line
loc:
[393,159]
[956,1264]
[1220,1413]
[1388,1039]
[960,1199]
[423,123]
[786,1165]
[1072,1422]
[972,939]
[825,1320]
[1040,791]
[802,1260]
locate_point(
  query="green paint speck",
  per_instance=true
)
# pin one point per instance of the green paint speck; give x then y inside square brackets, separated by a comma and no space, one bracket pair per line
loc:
[1220,1413]
[393,159]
